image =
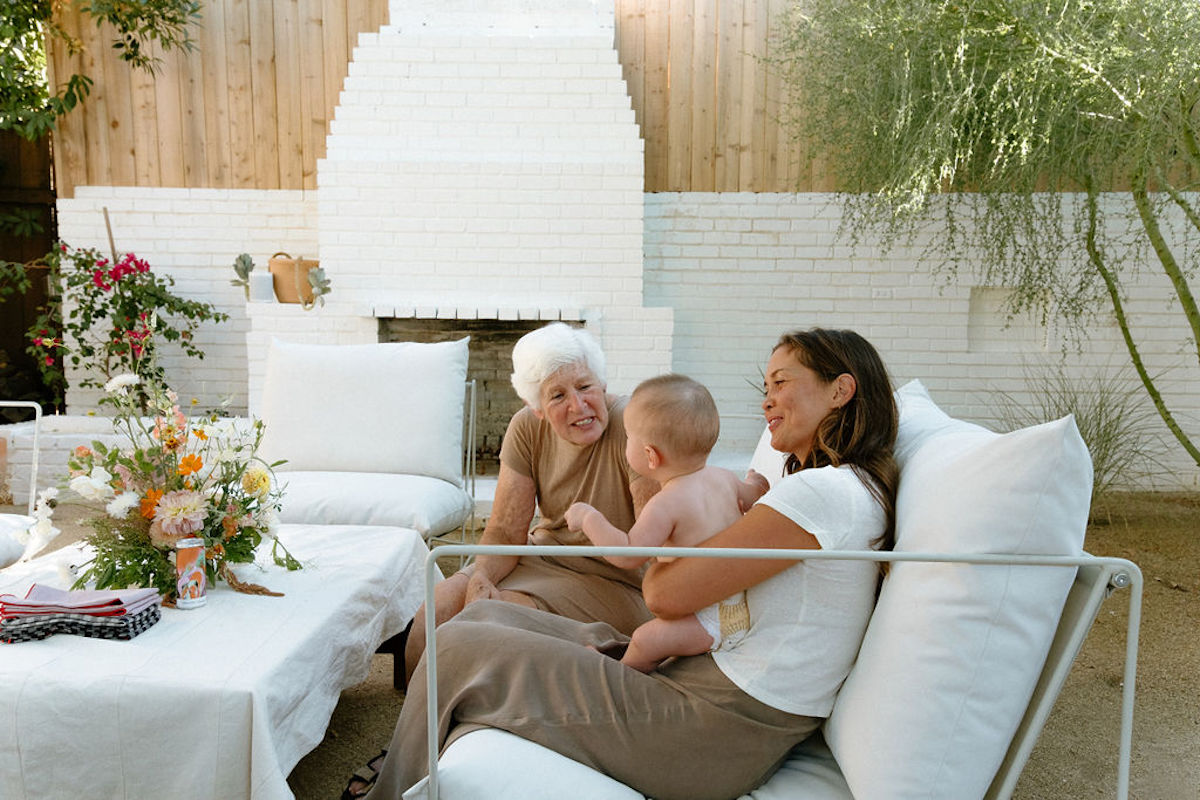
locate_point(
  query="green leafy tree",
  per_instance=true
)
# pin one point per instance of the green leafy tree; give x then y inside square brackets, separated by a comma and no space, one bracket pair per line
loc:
[998,128]
[28,104]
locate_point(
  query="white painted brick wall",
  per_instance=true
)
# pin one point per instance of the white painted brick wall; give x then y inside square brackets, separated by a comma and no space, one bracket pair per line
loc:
[723,294]
[739,269]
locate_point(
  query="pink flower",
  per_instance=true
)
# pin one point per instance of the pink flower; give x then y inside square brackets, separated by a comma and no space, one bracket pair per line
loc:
[181,512]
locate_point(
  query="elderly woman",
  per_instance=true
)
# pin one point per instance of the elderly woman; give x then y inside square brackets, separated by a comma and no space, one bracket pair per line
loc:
[566,445]
[714,725]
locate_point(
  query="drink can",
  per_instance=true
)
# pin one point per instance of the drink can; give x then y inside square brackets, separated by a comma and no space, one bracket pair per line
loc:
[191,582]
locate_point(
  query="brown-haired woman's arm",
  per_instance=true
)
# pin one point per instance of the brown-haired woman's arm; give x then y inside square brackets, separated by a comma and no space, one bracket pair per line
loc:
[686,585]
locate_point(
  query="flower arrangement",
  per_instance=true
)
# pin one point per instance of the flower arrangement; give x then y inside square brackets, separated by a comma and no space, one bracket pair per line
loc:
[176,478]
[116,311]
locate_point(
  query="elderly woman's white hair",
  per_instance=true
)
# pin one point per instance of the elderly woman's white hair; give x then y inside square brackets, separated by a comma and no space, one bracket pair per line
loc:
[539,354]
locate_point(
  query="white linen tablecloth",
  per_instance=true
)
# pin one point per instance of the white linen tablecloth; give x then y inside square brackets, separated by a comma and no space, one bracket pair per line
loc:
[215,702]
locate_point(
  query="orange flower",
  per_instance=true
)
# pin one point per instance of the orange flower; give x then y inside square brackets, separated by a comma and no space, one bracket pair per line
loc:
[149,502]
[189,464]
[200,434]
[230,526]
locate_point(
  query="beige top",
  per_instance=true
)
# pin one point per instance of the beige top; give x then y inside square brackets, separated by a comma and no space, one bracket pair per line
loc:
[564,473]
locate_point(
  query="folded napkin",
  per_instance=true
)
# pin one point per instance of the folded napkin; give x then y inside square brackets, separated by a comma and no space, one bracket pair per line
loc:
[42,599]
[31,627]
[106,614]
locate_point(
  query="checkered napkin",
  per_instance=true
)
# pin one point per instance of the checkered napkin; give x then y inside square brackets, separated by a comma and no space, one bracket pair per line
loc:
[112,614]
[31,627]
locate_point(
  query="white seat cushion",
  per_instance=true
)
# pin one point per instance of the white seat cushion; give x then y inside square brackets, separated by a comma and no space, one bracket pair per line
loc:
[493,763]
[471,768]
[394,407]
[430,506]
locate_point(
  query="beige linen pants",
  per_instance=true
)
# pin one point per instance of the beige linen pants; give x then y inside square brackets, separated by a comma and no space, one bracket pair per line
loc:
[683,733]
[584,589]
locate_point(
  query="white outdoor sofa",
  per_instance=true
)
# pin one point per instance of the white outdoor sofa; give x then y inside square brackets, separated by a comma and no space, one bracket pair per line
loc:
[987,603]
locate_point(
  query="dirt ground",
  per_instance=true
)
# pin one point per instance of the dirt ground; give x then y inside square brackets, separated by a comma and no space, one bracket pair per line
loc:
[1076,756]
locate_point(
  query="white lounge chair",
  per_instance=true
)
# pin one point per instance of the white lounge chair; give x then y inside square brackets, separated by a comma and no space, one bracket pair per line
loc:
[372,434]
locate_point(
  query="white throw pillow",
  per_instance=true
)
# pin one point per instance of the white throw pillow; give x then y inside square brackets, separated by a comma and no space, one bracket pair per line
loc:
[429,506]
[395,407]
[953,651]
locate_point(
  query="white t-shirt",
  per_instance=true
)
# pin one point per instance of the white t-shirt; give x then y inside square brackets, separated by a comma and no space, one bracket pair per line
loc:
[807,622]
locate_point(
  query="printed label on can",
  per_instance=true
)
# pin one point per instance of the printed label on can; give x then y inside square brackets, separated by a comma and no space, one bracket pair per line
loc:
[191,584]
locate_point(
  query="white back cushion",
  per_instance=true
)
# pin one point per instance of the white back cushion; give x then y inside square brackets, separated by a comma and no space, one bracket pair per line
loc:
[952,652]
[395,407]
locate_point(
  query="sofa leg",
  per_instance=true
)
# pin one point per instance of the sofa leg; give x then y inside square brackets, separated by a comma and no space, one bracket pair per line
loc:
[395,646]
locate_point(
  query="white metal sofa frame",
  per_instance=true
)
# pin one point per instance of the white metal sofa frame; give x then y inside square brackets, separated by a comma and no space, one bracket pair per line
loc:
[468,464]
[1096,578]
[37,427]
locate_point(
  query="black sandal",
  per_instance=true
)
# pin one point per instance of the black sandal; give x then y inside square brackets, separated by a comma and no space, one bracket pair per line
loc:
[364,778]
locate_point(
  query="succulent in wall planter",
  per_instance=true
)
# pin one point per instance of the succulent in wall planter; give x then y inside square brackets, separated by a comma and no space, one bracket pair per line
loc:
[319,285]
[243,265]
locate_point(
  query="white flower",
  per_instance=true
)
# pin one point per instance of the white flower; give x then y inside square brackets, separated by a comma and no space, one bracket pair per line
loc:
[67,572]
[119,383]
[270,524]
[120,506]
[40,535]
[93,487]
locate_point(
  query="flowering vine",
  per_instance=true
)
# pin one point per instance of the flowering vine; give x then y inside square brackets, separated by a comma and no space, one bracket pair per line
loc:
[114,316]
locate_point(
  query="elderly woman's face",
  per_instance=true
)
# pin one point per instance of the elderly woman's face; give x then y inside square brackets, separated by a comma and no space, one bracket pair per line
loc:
[573,404]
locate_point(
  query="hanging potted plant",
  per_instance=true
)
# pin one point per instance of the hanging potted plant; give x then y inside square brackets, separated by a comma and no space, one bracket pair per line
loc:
[291,278]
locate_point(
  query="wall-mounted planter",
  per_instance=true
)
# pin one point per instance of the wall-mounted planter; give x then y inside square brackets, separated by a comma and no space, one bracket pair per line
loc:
[291,278]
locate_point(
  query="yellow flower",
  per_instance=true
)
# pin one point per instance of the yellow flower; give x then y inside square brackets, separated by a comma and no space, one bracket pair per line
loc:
[256,481]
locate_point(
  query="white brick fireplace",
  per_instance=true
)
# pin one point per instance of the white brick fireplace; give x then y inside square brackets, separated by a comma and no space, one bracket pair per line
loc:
[483,163]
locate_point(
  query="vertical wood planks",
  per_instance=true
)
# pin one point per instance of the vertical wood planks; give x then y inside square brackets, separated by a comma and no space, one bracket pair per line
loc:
[218,132]
[656,95]
[680,36]
[289,121]
[251,107]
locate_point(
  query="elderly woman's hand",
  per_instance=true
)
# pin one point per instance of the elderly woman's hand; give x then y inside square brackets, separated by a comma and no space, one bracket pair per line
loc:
[480,588]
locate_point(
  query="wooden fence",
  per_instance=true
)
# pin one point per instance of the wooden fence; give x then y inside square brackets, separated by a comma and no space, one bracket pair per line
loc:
[250,107]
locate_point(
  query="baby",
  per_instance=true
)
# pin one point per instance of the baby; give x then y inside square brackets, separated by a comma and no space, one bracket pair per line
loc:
[672,424]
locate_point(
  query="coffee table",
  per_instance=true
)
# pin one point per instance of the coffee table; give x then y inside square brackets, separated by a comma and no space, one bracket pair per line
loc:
[215,702]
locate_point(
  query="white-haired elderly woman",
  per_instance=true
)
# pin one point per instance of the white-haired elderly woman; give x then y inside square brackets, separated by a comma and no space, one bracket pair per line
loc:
[566,445]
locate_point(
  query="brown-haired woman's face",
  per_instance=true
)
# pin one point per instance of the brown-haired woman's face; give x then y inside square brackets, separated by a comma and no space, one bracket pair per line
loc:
[795,403]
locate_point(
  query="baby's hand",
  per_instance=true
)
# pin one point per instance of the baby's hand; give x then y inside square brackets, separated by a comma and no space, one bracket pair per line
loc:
[576,514]
[759,481]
